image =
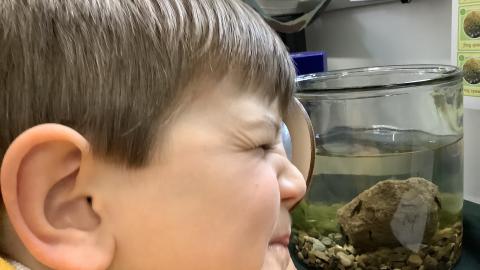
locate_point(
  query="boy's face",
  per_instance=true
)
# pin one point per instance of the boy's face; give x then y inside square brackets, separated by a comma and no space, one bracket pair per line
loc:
[217,197]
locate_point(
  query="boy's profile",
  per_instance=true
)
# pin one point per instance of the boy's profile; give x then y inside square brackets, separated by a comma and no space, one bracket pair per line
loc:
[143,134]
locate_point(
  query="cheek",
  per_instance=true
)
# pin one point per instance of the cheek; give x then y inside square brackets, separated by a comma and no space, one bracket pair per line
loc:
[258,212]
[223,214]
[245,190]
[261,203]
[266,195]
[247,201]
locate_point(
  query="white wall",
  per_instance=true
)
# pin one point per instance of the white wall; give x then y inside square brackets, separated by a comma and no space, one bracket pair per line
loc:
[384,34]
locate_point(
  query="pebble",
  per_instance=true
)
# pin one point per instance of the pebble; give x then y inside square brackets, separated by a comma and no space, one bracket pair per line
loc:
[362,260]
[338,248]
[445,232]
[414,260]
[318,246]
[444,252]
[309,239]
[398,265]
[338,238]
[321,255]
[398,257]
[344,259]
[327,241]
[350,249]
[328,253]
[430,263]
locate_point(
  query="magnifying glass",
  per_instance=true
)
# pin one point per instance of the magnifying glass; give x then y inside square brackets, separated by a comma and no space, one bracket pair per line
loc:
[298,139]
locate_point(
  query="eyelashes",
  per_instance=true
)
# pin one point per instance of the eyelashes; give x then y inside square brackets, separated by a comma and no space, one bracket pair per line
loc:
[266,146]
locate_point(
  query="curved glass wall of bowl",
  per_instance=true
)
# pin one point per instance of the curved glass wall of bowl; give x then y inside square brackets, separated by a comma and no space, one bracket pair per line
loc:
[286,140]
[387,186]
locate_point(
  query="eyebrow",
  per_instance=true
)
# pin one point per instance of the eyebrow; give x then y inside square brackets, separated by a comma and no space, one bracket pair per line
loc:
[264,122]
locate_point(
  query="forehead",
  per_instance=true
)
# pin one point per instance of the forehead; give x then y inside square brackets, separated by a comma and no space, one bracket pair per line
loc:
[231,95]
[216,111]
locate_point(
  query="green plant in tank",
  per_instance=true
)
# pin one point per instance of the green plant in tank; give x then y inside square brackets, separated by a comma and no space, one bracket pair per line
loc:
[316,219]
[451,211]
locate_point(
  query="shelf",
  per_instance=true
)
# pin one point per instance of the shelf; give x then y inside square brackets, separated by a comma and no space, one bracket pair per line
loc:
[289,7]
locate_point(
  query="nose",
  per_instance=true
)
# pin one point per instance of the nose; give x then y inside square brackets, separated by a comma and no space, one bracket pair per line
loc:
[292,185]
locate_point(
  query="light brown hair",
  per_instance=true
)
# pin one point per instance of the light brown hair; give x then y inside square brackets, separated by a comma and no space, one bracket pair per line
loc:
[115,70]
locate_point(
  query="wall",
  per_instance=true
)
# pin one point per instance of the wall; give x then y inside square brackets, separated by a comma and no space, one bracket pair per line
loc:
[392,33]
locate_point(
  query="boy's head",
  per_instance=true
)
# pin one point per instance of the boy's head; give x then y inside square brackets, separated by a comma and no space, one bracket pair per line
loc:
[165,152]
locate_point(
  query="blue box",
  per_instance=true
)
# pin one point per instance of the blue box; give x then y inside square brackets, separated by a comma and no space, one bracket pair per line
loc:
[310,62]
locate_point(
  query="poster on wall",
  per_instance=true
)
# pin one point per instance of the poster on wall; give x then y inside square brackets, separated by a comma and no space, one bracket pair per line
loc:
[466,48]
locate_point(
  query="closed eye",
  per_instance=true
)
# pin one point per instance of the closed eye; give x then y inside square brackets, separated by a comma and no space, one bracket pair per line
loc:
[266,146]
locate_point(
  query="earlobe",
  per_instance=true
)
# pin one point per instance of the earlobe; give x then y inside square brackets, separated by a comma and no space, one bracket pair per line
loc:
[48,202]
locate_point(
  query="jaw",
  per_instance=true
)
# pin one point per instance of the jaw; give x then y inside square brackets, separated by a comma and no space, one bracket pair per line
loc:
[277,257]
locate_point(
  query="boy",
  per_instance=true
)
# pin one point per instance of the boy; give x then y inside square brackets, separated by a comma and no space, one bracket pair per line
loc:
[143,135]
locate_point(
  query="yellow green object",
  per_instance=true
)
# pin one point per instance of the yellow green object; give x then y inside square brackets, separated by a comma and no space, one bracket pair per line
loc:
[316,219]
[4,265]
[470,64]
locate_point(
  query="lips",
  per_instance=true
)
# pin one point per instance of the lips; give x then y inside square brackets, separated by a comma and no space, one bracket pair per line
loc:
[281,234]
[278,256]
[283,240]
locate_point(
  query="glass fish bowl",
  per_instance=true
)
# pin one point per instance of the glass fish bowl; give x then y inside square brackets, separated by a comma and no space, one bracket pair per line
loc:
[387,184]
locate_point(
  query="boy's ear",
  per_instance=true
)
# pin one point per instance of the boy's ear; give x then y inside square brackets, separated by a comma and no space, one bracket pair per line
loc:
[50,202]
